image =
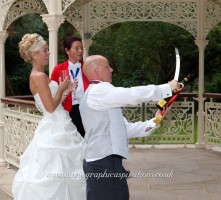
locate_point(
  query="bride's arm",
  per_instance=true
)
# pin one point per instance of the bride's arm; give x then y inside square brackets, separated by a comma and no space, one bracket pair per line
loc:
[41,84]
[72,86]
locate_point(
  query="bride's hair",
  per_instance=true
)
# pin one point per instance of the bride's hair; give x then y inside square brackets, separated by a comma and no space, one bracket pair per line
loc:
[30,43]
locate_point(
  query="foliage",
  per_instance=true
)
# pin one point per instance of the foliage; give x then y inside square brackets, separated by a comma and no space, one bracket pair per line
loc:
[17,70]
[144,52]
[139,52]
[213,62]
[65,30]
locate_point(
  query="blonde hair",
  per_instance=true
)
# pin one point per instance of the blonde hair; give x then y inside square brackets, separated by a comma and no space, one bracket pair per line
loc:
[30,43]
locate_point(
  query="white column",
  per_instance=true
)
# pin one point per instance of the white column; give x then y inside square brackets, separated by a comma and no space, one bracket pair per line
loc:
[201,43]
[3,37]
[86,44]
[201,113]
[54,7]
[86,30]
[53,22]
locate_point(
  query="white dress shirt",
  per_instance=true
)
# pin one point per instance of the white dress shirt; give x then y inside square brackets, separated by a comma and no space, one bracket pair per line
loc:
[104,96]
[80,89]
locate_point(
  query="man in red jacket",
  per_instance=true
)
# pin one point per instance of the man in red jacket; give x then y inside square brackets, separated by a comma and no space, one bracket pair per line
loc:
[73,50]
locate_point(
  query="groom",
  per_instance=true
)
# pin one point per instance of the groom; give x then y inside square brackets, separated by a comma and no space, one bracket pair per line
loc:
[107,131]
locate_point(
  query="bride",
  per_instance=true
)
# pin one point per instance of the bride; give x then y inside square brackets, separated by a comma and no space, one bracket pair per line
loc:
[51,168]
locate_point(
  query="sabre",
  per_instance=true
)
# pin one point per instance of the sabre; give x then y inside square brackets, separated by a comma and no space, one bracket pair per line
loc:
[165,104]
[177,71]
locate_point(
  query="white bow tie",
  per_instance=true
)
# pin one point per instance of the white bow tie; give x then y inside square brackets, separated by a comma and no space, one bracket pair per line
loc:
[74,66]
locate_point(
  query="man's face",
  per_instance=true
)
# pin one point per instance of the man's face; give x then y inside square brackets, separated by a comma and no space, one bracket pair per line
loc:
[105,71]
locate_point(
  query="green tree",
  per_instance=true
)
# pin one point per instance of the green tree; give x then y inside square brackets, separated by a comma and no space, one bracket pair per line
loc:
[139,52]
[144,52]
[17,71]
[65,30]
[213,61]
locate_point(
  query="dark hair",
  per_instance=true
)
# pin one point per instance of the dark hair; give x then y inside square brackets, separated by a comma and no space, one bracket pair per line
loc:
[68,42]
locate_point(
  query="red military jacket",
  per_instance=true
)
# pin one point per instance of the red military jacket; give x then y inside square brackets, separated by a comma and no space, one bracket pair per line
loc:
[67,103]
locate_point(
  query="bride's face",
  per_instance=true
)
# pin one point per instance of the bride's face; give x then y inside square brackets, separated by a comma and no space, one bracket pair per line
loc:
[41,57]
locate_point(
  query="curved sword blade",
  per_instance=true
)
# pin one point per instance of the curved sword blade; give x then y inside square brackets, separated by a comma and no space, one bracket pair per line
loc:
[177,72]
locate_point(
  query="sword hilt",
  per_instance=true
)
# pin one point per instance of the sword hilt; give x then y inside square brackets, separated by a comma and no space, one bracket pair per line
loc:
[182,84]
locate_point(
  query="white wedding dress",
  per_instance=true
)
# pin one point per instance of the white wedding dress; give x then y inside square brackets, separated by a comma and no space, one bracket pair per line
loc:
[51,168]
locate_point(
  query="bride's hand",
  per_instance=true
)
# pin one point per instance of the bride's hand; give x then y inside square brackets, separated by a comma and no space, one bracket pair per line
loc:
[63,85]
[72,85]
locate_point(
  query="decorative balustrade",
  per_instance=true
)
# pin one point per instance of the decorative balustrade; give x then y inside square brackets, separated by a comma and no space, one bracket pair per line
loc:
[213,119]
[176,128]
[20,119]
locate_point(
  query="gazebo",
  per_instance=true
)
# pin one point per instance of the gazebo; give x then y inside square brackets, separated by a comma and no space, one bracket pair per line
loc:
[198,17]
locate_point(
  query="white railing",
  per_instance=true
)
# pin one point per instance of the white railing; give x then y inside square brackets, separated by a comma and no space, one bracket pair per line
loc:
[176,128]
[20,119]
[213,119]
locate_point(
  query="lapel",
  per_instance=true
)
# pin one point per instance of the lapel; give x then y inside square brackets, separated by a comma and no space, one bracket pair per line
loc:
[65,67]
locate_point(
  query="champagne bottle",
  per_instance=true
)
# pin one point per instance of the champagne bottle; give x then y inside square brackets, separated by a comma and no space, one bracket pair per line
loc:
[167,102]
